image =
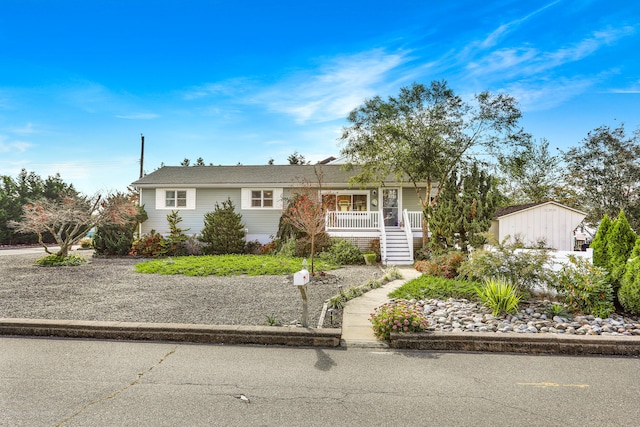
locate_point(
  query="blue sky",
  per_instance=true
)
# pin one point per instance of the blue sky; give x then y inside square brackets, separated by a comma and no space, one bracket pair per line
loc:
[247,81]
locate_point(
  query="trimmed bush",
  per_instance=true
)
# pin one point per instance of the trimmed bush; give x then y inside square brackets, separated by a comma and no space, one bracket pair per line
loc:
[629,293]
[600,244]
[621,239]
[150,245]
[223,230]
[342,252]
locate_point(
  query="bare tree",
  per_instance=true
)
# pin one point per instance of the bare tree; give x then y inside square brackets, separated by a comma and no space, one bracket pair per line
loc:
[70,218]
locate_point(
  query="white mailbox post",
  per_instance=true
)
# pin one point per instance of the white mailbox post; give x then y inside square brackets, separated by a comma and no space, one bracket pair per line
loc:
[300,279]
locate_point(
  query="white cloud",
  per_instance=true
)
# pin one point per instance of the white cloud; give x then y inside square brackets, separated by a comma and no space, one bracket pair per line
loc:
[335,89]
[13,146]
[545,94]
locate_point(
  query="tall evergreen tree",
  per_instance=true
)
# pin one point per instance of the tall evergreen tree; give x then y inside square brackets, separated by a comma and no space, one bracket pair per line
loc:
[464,211]
[621,241]
[600,243]
[224,230]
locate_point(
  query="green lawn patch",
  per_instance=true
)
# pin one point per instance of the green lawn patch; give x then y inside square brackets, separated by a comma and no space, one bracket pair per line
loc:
[432,287]
[228,265]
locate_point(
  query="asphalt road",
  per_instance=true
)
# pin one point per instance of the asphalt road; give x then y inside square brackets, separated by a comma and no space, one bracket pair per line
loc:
[55,382]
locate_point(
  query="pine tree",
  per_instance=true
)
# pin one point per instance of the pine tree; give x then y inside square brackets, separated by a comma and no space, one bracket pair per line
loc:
[600,243]
[224,230]
[464,211]
[620,244]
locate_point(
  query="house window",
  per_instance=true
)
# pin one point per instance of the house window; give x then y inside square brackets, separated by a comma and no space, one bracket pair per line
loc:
[262,198]
[173,198]
[344,202]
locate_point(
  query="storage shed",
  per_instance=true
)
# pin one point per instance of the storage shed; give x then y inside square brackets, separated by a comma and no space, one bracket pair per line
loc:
[551,222]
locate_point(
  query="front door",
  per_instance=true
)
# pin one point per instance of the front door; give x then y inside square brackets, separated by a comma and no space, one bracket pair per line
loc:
[391,206]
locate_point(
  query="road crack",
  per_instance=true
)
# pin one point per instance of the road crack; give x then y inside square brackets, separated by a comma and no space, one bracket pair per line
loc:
[116,393]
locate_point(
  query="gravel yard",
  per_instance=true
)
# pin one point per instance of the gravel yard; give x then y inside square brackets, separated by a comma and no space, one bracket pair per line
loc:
[108,289]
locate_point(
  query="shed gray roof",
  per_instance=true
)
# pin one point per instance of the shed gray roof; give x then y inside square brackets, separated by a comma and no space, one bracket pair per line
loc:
[236,176]
[508,210]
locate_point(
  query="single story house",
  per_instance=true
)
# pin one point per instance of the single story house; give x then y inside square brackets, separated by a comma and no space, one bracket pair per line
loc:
[552,223]
[391,213]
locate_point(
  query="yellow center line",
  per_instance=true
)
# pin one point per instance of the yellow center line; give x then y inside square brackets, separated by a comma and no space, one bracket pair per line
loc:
[550,384]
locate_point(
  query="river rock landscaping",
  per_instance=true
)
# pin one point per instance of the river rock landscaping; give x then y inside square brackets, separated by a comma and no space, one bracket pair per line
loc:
[460,315]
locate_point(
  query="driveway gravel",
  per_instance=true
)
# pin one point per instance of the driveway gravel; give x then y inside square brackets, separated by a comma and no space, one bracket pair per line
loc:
[108,289]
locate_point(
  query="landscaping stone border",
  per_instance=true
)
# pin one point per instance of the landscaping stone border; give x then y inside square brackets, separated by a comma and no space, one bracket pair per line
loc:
[223,334]
[574,345]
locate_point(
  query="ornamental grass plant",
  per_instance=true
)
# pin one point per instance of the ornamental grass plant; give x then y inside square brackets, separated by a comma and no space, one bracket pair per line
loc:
[500,295]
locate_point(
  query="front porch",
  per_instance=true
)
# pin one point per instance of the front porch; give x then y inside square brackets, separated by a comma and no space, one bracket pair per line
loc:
[396,234]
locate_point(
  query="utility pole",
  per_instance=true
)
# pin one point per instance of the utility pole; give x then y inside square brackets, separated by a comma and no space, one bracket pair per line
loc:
[142,156]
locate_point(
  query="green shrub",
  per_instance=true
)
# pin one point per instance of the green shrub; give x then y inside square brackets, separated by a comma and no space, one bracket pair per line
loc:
[621,239]
[370,258]
[303,245]
[177,237]
[629,293]
[585,288]
[56,260]
[556,309]
[223,230]
[444,265]
[397,317]
[86,244]
[152,245]
[374,247]
[253,247]
[499,295]
[117,239]
[600,244]
[432,287]
[288,248]
[342,252]
[523,268]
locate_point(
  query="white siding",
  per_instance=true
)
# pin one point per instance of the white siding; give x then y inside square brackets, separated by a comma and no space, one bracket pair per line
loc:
[260,223]
[549,222]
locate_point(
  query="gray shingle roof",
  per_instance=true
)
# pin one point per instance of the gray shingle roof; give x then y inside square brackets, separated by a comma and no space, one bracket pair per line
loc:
[235,176]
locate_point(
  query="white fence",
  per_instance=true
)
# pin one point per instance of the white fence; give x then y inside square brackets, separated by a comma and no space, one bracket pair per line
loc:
[355,219]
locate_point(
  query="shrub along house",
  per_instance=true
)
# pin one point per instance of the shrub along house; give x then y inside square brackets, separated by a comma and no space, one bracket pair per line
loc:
[391,213]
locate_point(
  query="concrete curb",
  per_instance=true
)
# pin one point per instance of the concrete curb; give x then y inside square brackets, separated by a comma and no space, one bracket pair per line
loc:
[210,334]
[575,345]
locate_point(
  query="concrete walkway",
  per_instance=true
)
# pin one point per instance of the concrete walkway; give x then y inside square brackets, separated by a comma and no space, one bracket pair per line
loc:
[356,327]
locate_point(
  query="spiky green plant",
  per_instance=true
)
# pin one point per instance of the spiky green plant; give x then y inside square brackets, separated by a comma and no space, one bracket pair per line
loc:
[500,295]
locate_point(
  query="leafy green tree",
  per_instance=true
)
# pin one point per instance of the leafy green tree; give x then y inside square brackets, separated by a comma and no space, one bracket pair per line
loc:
[600,243]
[629,293]
[117,238]
[531,174]
[423,134]
[223,230]
[604,171]
[467,203]
[621,241]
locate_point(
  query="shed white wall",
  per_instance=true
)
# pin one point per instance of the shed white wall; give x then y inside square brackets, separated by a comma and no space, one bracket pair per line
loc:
[551,223]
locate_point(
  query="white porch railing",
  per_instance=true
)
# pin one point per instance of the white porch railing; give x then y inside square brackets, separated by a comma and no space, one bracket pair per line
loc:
[414,218]
[353,220]
[383,240]
[407,231]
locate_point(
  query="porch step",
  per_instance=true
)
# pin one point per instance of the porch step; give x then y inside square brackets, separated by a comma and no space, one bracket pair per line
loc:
[398,250]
